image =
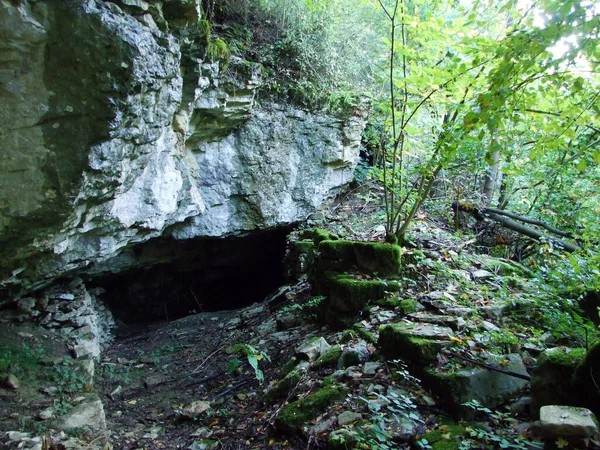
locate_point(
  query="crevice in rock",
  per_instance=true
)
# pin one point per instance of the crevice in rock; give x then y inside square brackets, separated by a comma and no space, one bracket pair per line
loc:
[192,276]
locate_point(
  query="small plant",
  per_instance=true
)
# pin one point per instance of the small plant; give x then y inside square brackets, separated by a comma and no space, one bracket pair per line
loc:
[396,407]
[494,439]
[117,373]
[68,379]
[311,305]
[253,355]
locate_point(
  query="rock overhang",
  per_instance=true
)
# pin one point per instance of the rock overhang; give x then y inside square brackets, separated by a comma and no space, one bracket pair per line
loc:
[144,169]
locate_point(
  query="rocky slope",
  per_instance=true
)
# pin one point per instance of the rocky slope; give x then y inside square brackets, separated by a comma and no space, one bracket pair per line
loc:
[117,130]
[441,360]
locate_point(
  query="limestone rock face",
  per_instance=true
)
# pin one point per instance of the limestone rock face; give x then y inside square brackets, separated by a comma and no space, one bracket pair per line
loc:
[115,130]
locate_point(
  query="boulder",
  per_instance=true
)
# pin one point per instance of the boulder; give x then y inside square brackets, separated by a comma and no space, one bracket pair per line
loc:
[87,415]
[552,378]
[354,355]
[489,388]
[417,342]
[567,421]
[586,381]
[142,139]
[368,257]
[293,416]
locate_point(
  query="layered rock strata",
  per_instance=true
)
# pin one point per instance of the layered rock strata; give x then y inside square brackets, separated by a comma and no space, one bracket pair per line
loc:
[116,129]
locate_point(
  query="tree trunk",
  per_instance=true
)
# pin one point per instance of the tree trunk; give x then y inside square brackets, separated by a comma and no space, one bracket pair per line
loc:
[492,178]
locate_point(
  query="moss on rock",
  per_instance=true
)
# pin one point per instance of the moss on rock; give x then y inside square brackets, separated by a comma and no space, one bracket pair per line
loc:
[552,378]
[319,235]
[409,306]
[293,416]
[489,388]
[289,366]
[565,357]
[328,359]
[389,303]
[349,294]
[396,342]
[368,336]
[305,246]
[372,257]
[286,384]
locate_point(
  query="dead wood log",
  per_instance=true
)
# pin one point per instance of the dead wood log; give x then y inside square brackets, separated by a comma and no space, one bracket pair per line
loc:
[539,223]
[505,218]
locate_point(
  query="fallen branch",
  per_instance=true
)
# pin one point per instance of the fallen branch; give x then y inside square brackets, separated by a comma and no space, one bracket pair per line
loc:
[206,359]
[530,232]
[489,367]
[539,223]
[227,391]
[505,218]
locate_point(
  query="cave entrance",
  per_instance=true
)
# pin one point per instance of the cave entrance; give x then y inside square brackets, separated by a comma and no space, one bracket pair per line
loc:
[199,275]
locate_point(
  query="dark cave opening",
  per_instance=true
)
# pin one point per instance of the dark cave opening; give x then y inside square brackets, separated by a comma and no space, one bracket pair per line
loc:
[199,275]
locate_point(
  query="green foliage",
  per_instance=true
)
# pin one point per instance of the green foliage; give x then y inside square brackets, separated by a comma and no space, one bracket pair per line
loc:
[470,91]
[309,307]
[69,379]
[500,437]
[117,373]
[22,361]
[253,356]
[217,50]
[395,406]
[318,57]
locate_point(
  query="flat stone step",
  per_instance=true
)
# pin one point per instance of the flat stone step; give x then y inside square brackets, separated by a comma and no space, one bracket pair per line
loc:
[448,321]
[558,421]
[424,330]
[417,342]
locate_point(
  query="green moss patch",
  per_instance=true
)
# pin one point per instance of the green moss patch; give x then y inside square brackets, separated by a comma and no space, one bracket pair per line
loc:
[389,303]
[349,294]
[320,235]
[409,306]
[372,257]
[329,358]
[447,437]
[305,246]
[368,336]
[291,418]
[284,387]
[552,379]
[396,341]
[565,357]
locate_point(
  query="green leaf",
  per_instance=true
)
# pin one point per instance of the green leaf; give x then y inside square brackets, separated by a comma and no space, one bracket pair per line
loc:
[232,366]
[259,375]
[253,362]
